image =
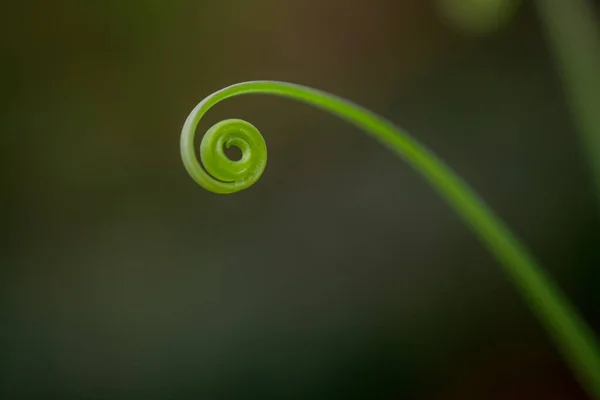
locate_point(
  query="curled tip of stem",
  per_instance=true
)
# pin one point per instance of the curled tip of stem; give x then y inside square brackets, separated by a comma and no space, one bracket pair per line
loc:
[221,174]
[571,334]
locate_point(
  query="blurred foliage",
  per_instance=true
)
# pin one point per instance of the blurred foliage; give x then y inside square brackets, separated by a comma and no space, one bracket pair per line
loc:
[478,17]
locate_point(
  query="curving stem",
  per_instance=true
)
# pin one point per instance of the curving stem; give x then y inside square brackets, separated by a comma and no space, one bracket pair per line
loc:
[572,336]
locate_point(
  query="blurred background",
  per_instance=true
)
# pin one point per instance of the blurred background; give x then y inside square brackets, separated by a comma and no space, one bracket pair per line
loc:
[341,274]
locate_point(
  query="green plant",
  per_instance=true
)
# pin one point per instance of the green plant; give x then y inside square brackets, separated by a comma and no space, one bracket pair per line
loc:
[572,336]
[574,38]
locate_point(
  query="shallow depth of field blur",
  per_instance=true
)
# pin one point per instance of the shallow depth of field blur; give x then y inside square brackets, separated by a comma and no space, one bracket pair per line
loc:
[340,274]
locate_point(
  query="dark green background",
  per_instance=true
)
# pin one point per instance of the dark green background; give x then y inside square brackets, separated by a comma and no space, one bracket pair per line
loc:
[340,274]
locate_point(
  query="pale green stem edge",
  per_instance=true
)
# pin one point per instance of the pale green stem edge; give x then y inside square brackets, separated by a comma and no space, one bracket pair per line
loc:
[574,37]
[572,336]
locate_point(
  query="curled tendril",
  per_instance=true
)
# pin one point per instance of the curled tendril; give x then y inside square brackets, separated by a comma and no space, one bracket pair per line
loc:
[233,175]
[222,174]
[571,334]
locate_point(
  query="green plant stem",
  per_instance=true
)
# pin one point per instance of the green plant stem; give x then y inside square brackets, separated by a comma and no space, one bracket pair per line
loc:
[574,36]
[571,334]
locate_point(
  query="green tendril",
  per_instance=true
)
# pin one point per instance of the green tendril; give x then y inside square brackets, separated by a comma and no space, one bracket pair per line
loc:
[573,337]
[222,174]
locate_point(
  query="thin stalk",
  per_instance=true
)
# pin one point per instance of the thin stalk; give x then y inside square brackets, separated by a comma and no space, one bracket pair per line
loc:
[572,336]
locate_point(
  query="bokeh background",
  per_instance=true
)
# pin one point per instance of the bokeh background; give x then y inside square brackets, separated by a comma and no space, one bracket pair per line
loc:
[341,274]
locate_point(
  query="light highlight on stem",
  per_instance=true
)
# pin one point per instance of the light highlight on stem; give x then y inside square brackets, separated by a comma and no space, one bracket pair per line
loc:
[574,35]
[570,333]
